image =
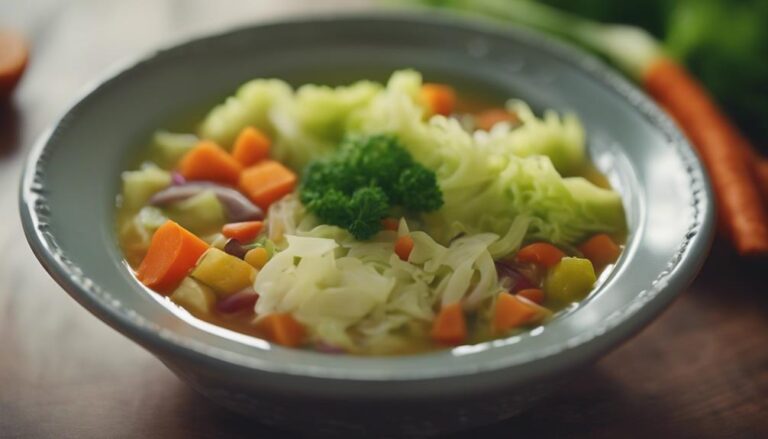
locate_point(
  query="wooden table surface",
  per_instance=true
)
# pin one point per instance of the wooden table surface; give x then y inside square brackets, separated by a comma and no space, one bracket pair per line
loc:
[700,370]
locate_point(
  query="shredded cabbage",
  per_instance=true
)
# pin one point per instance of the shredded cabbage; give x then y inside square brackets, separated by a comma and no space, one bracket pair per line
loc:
[352,294]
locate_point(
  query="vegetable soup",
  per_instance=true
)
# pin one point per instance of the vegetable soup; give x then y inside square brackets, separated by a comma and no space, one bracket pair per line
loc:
[370,218]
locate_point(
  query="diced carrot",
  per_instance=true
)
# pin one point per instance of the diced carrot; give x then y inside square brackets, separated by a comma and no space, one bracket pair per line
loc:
[251,146]
[535,295]
[257,257]
[741,208]
[449,326]
[207,161]
[439,98]
[282,329]
[404,246]
[266,182]
[540,253]
[511,312]
[244,231]
[600,250]
[13,60]
[488,118]
[390,223]
[172,252]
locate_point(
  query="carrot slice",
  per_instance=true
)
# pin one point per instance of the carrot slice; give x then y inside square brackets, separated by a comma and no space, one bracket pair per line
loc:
[267,182]
[439,98]
[390,223]
[488,118]
[511,312]
[600,250]
[404,246]
[535,295]
[721,146]
[251,146]
[540,253]
[172,252]
[282,329]
[244,231]
[207,161]
[13,60]
[449,326]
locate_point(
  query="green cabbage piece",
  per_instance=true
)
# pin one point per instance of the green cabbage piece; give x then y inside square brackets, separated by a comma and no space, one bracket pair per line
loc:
[487,184]
[303,124]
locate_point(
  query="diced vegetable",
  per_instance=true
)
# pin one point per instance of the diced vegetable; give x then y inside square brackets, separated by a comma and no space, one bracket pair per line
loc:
[244,232]
[172,253]
[194,296]
[207,161]
[251,147]
[171,147]
[569,281]
[240,301]
[438,98]
[237,206]
[512,312]
[450,326]
[600,250]
[257,257]
[535,295]
[139,186]
[541,253]
[282,329]
[201,214]
[235,248]
[267,182]
[391,224]
[404,246]
[488,118]
[225,273]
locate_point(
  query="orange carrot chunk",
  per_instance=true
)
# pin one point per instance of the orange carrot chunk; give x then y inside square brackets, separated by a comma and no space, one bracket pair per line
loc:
[172,252]
[449,326]
[390,223]
[266,182]
[541,253]
[600,250]
[439,98]
[535,295]
[207,161]
[740,207]
[282,329]
[13,60]
[488,118]
[404,246]
[251,146]
[511,312]
[245,231]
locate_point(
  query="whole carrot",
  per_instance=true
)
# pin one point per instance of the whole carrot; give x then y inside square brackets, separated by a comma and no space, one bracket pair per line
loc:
[719,143]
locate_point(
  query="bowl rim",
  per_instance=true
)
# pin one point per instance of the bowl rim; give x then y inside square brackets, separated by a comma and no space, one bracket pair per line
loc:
[681,268]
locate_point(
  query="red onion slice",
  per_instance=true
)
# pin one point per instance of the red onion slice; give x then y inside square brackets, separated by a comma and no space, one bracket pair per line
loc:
[242,300]
[236,205]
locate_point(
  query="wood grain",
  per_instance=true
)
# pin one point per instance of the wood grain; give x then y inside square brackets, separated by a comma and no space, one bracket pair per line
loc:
[701,370]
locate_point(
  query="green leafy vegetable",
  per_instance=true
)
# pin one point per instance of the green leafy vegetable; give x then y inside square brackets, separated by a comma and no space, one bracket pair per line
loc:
[355,187]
